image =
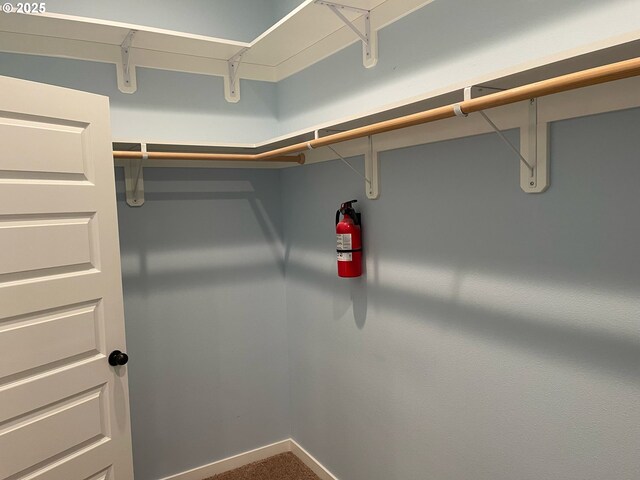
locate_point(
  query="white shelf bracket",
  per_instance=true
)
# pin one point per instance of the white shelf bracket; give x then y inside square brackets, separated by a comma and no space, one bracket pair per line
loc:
[134,179]
[534,168]
[126,69]
[371,171]
[534,139]
[476,91]
[232,80]
[369,38]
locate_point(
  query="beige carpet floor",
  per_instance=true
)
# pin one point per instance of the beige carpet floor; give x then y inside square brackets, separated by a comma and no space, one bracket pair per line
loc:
[285,466]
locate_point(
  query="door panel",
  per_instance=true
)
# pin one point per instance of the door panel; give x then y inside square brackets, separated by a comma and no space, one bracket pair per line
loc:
[84,412]
[59,382]
[44,339]
[68,243]
[76,467]
[63,409]
[24,138]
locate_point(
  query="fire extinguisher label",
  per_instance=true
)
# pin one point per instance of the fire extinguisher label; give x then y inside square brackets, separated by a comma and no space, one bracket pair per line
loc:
[345,257]
[344,242]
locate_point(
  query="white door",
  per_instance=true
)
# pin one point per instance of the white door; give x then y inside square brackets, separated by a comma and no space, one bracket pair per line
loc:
[64,411]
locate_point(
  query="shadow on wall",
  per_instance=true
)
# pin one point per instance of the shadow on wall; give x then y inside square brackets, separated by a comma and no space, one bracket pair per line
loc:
[455,243]
[528,315]
[204,303]
[346,293]
[224,248]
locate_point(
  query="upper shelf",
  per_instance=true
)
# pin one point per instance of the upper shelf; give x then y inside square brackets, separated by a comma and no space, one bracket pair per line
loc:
[303,28]
[58,26]
[305,36]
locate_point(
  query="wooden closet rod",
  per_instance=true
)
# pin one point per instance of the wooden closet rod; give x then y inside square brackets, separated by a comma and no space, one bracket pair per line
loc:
[563,83]
[233,157]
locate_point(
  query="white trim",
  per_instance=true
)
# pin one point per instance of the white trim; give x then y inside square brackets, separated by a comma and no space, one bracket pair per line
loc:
[242,459]
[281,22]
[131,26]
[235,461]
[306,458]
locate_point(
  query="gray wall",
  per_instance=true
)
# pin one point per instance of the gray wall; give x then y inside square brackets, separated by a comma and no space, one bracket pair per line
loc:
[282,8]
[205,319]
[495,336]
[426,51]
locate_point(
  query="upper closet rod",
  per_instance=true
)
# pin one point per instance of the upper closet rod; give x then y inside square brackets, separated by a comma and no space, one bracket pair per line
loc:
[563,83]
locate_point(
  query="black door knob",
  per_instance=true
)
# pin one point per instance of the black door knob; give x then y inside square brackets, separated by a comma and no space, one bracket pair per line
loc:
[118,358]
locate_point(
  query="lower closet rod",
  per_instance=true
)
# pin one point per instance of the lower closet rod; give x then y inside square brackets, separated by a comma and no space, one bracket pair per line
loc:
[234,157]
[563,83]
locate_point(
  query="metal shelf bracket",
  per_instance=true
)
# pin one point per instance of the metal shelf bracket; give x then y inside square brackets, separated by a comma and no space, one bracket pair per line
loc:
[534,139]
[134,179]
[126,70]
[369,38]
[232,80]
[534,136]
[371,169]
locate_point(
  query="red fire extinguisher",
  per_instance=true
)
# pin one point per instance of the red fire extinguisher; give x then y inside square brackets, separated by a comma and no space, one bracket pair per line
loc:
[349,237]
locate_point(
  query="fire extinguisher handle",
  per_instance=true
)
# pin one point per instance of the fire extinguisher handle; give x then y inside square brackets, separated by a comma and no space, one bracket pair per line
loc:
[355,216]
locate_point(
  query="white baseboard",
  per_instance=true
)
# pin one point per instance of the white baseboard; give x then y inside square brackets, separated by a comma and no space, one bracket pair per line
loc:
[226,464]
[306,458]
[236,461]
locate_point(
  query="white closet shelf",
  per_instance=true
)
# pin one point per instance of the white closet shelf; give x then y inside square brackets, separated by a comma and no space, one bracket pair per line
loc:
[515,77]
[88,30]
[576,94]
[305,36]
[517,94]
